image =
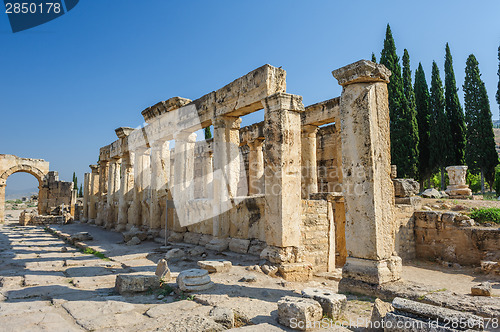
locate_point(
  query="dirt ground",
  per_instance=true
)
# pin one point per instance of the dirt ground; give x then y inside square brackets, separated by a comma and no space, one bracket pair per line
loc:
[47,284]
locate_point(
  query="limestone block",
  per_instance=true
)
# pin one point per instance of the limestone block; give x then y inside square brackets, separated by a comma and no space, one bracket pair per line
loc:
[81,236]
[483,289]
[256,247]
[204,239]
[218,244]
[373,272]
[379,311]
[192,238]
[295,271]
[333,304]
[174,254]
[136,283]
[134,241]
[298,313]
[194,280]
[175,237]
[405,187]
[431,193]
[239,245]
[162,270]
[223,316]
[215,266]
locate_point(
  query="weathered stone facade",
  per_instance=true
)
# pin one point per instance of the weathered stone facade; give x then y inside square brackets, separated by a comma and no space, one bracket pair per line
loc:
[282,188]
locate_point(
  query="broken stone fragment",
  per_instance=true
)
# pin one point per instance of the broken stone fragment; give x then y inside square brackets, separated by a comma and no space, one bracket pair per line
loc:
[483,289]
[215,266]
[162,270]
[239,245]
[379,311]
[175,237]
[194,280]
[81,236]
[333,304]
[223,316]
[218,244]
[134,241]
[298,313]
[248,278]
[174,254]
[136,283]
[405,187]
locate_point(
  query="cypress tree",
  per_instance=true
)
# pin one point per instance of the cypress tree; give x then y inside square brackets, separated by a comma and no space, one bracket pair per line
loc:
[440,136]
[75,181]
[410,120]
[454,112]
[498,90]
[208,133]
[374,58]
[423,117]
[480,153]
[397,104]
[80,192]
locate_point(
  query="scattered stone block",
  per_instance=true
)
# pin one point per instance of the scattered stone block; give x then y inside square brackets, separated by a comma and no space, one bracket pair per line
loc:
[298,313]
[405,187]
[162,270]
[81,236]
[192,238]
[333,304]
[256,247]
[223,316]
[431,193]
[379,311]
[194,280]
[197,251]
[175,237]
[218,244]
[136,283]
[270,270]
[174,254]
[134,241]
[215,266]
[295,271]
[248,278]
[483,289]
[204,239]
[239,245]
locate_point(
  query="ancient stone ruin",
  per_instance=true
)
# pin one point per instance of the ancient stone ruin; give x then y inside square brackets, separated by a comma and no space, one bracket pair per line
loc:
[294,189]
[53,194]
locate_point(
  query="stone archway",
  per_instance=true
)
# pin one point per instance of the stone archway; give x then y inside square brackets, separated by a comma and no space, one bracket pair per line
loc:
[10,164]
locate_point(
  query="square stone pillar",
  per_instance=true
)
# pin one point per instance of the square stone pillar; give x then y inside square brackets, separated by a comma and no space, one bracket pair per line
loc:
[309,161]
[125,195]
[160,163]
[93,192]
[282,130]
[183,177]
[86,197]
[146,188]
[112,187]
[2,203]
[134,212]
[103,192]
[256,167]
[226,161]
[366,165]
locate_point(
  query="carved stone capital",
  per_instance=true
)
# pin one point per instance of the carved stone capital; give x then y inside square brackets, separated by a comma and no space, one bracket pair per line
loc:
[283,101]
[363,71]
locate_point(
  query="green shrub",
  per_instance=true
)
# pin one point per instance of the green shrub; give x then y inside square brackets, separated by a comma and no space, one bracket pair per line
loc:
[486,214]
[474,182]
[496,184]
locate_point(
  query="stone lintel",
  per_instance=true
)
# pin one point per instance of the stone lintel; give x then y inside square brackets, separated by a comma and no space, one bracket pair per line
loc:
[104,153]
[252,133]
[322,113]
[123,132]
[362,71]
[163,107]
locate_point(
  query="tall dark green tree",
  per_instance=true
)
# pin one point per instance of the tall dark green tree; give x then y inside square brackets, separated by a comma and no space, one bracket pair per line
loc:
[397,105]
[480,153]
[208,133]
[454,112]
[498,90]
[75,181]
[409,120]
[422,101]
[80,191]
[440,136]
[374,58]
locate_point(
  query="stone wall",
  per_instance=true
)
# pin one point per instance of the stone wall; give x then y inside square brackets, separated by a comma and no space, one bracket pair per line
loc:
[315,231]
[450,237]
[54,193]
[405,231]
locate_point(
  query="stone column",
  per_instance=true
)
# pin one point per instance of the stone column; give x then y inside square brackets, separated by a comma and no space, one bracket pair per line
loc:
[94,190]
[158,182]
[134,212]
[458,187]
[256,167]
[183,176]
[103,192]
[2,203]
[282,174]
[86,196]
[208,175]
[109,218]
[126,187]
[146,188]
[308,159]
[366,165]
[226,160]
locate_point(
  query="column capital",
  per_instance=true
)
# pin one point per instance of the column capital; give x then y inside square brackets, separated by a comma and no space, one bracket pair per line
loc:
[363,71]
[310,130]
[185,136]
[94,168]
[283,101]
[224,121]
[255,144]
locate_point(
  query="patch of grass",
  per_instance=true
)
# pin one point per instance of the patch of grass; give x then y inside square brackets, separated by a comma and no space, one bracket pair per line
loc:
[421,298]
[96,253]
[165,289]
[490,196]
[486,215]
[184,296]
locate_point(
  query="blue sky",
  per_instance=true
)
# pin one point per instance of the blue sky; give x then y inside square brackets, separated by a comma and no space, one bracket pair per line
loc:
[66,85]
